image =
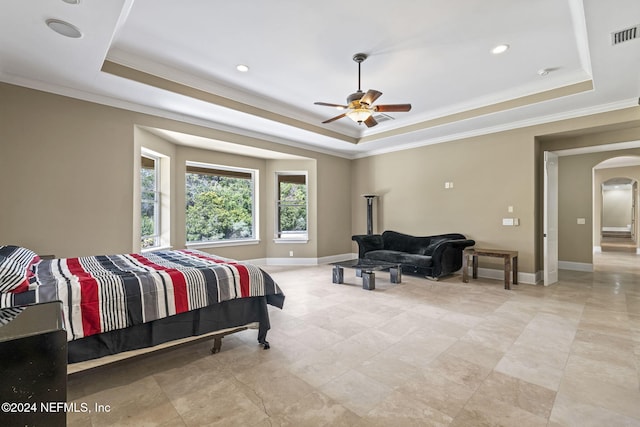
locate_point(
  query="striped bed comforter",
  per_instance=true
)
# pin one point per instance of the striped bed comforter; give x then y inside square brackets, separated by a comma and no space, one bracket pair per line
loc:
[109,292]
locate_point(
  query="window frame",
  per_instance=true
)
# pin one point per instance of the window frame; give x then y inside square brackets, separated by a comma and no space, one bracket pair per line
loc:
[298,237]
[157,223]
[254,180]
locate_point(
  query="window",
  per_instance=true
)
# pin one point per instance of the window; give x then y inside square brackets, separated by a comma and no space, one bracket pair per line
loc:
[220,203]
[150,201]
[292,206]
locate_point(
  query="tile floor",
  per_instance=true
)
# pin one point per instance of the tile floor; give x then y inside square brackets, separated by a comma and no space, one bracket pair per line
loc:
[419,353]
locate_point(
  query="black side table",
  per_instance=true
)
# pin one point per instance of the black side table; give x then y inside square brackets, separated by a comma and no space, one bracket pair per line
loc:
[33,366]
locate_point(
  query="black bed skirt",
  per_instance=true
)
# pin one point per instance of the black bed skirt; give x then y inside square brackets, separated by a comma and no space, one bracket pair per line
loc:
[228,314]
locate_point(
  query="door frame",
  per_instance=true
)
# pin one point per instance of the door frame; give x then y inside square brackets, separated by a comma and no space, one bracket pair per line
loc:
[550,218]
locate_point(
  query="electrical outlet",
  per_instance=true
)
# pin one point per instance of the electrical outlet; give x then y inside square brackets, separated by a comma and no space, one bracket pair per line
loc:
[507,221]
[290,253]
[510,209]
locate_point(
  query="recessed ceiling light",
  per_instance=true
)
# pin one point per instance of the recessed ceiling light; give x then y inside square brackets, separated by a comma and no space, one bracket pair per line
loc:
[544,71]
[64,28]
[501,48]
[242,68]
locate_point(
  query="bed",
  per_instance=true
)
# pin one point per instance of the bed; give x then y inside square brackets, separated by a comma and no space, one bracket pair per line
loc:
[117,303]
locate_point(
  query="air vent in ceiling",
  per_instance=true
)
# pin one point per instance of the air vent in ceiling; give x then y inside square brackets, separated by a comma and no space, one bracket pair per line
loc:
[625,35]
[381,117]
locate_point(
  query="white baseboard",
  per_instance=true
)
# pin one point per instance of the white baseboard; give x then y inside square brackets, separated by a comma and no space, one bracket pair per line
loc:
[292,261]
[307,261]
[487,273]
[598,250]
[337,258]
[539,276]
[575,266]
[490,273]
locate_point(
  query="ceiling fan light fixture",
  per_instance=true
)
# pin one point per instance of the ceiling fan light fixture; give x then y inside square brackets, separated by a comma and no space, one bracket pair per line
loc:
[359,106]
[359,115]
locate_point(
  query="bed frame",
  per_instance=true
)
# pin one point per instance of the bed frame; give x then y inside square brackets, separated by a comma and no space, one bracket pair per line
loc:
[226,317]
[119,303]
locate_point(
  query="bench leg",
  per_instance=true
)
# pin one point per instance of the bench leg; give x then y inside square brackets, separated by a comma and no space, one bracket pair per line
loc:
[474,262]
[507,272]
[465,268]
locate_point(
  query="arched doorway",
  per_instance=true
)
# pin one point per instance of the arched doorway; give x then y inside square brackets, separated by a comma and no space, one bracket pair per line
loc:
[615,212]
[618,229]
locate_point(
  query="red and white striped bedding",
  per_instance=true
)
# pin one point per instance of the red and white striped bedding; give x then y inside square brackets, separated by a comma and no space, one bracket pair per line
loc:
[109,292]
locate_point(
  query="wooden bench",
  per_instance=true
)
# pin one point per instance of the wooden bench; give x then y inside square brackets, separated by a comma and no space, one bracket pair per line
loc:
[510,263]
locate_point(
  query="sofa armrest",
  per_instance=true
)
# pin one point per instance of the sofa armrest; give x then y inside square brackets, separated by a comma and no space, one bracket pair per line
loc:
[461,243]
[447,255]
[367,243]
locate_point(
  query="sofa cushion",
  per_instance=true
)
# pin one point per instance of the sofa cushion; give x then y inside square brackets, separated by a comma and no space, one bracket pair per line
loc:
[372,242]
[400,257]
[400,242]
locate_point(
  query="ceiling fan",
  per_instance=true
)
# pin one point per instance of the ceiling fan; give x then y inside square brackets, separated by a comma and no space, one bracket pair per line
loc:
[360,105]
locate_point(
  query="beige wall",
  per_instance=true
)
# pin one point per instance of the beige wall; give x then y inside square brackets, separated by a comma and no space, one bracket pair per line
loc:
[589,131]
[334,206]
[67,172]
[574,201]
[579,197]
[71,165]
[489,174]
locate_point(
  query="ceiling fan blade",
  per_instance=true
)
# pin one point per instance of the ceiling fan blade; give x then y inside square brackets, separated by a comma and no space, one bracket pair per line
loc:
[370,97]
[335,118]
[370,122]
[326,104]
[392,107]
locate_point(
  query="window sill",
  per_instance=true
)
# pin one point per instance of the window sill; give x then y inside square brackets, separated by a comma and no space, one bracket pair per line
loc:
[156,248]
[219,244]
[295,241]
